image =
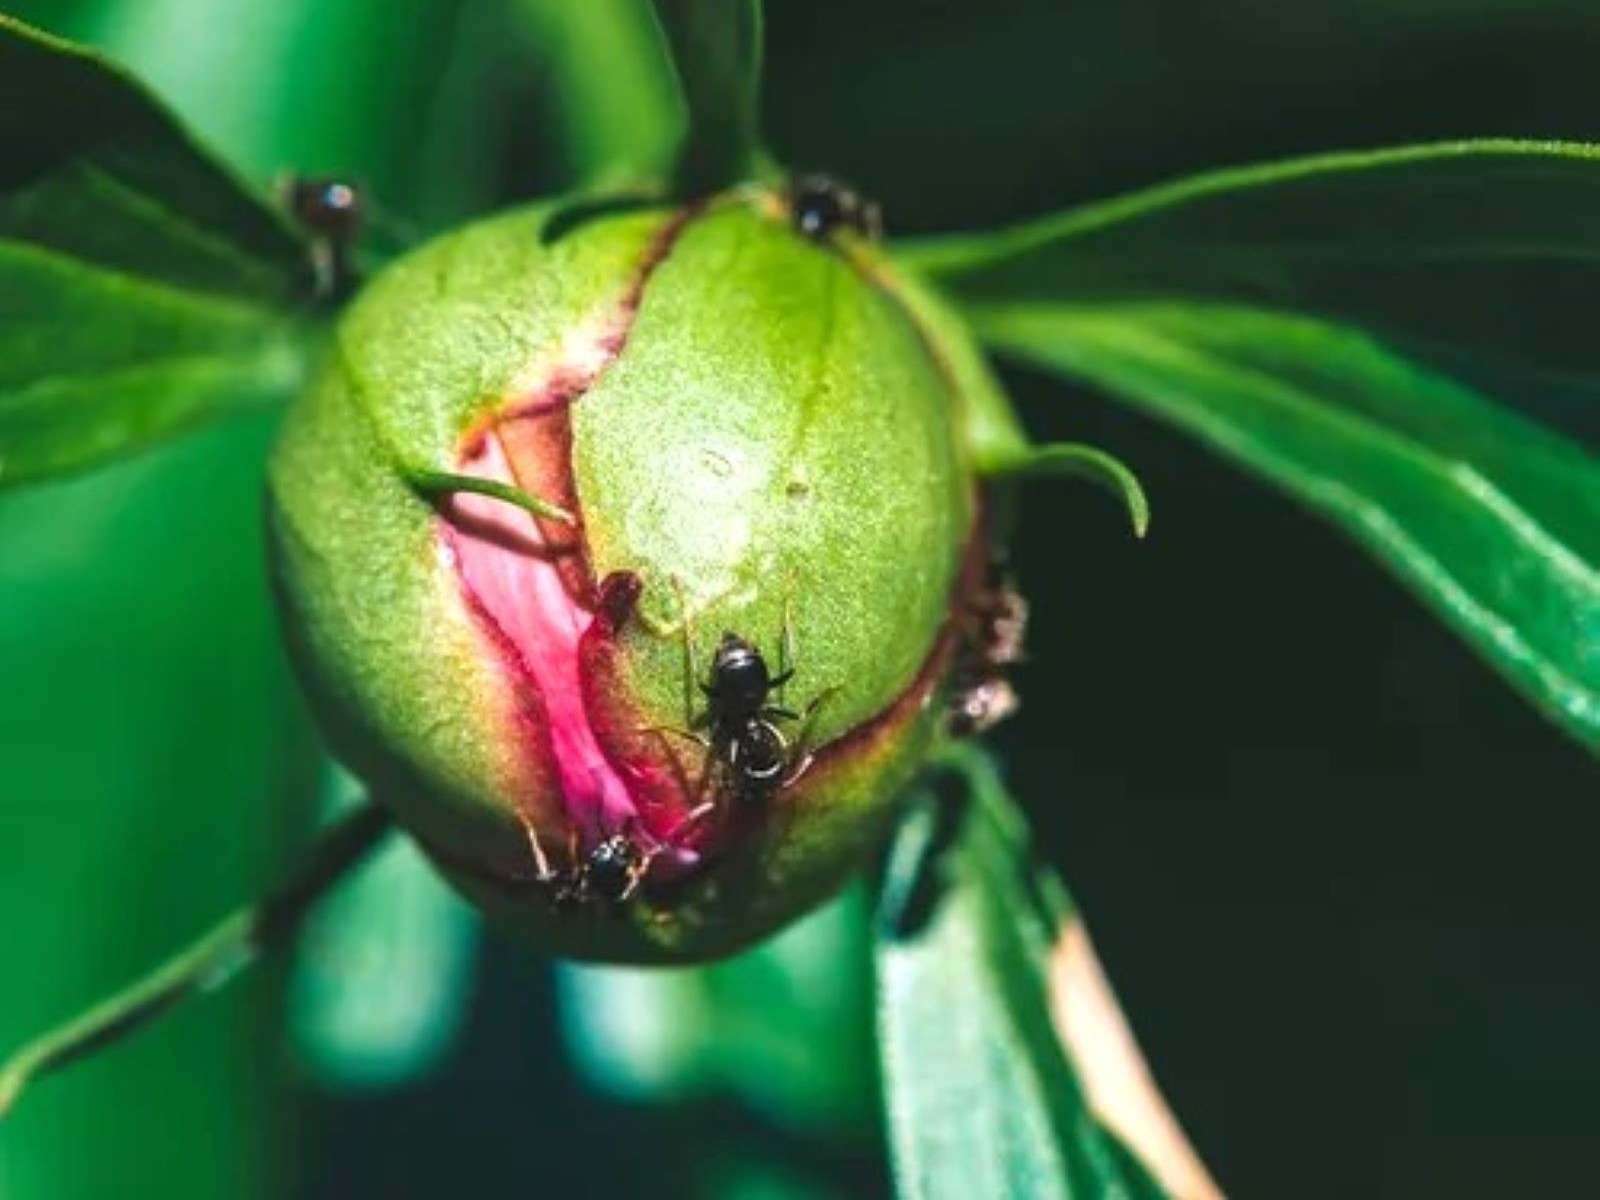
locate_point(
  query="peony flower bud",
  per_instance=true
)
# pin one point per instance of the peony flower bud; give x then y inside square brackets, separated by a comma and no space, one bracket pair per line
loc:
[623,558]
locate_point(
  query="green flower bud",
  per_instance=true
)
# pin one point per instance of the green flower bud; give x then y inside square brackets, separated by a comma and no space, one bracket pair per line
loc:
[553,476]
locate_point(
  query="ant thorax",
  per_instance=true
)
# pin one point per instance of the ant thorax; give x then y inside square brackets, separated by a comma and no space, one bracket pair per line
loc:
[740,683]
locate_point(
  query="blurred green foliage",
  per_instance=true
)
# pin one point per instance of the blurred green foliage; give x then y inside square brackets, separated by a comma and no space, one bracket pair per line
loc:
[382,979]
[157,766]
[151,770]
[783,1027]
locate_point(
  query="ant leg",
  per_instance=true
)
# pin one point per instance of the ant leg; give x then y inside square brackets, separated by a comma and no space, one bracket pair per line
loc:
[641,866]
[707,765]
[541,860]
[786,640]
[674,759]
[693,817]
[816,702]
[691,666]
[575,883]
[804,756]
[707,758]
[691,683]
[636,876]
[797,769]
[688,735]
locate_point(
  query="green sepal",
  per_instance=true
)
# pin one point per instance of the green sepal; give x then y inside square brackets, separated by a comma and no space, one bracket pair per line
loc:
[1074,460]
[441,485]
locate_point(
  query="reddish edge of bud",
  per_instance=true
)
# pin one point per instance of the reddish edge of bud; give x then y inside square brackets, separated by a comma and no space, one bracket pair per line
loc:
[551,627]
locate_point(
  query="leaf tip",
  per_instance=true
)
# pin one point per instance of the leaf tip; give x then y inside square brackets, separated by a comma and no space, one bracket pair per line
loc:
[1072,460]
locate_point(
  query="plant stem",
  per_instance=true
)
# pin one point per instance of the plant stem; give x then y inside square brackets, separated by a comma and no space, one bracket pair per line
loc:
[716,54]
[206,965]
[613,95]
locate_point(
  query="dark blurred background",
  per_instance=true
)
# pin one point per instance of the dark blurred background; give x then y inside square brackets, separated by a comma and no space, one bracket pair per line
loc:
[1339,874]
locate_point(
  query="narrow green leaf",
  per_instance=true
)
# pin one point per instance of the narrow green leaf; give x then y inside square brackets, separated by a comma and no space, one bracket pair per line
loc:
[716,50]
[1361,330]
[1491,246]
[1492,519]
[983,1100]
[142,289]
[204,964]
[440,485]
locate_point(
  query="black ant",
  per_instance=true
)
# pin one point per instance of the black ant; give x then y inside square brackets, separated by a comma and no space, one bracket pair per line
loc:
[996,627]
[819,204]
[610,873]
[614,868]
[743,736]
[332,212]
[742,727]
[982,703]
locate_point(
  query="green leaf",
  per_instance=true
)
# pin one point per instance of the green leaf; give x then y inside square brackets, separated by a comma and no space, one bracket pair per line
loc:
[142,290]
[716,49]
[1491,518]
[1330,324]
[983,1100]
[1487,245]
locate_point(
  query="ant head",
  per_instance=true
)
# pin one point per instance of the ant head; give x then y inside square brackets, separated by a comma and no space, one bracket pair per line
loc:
[739,677]
[330,207]
[614,867]
[733,646]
